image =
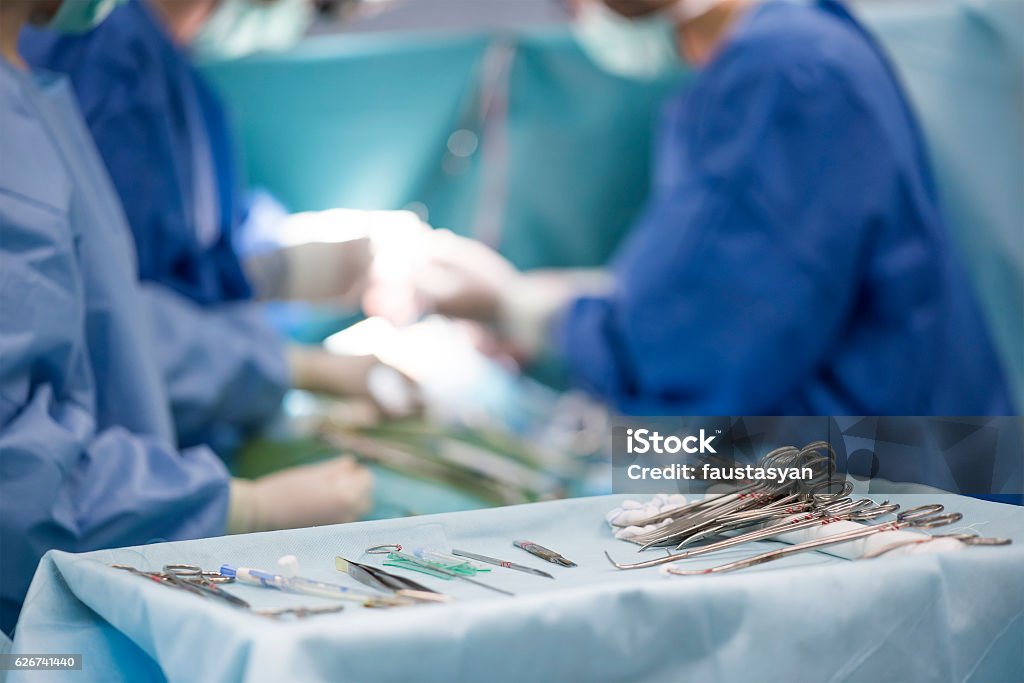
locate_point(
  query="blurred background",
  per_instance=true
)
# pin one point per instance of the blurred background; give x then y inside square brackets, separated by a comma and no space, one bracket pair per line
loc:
[485,117]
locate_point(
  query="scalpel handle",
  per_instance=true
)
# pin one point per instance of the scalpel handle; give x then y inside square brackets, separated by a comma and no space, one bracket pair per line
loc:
[543,553]
[501,563]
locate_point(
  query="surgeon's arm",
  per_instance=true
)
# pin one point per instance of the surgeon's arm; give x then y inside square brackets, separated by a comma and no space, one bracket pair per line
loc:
[64,483]
[736,282]
[222,364]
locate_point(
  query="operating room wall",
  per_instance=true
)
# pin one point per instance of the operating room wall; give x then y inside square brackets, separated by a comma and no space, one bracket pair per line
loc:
[550,155]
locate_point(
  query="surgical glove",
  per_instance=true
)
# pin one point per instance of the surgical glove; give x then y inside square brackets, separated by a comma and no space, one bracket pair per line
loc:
[622,518]
[393,393]
[331,492]
[321,272]
[463,278]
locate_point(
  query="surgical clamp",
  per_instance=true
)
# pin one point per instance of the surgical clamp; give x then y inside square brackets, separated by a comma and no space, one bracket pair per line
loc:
[921,518]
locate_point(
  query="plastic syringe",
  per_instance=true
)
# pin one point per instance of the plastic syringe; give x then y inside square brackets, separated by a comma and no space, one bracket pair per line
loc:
[302,586]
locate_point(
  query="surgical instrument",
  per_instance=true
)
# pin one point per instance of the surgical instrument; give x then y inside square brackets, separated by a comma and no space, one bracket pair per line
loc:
[840,510]
[207,582]
[387,582]
[303,586]
[920,518]
[432,566]
[501,563]
[543,553]
[460,564]
[192,579]
[966,539]
[298,612]
[751,503]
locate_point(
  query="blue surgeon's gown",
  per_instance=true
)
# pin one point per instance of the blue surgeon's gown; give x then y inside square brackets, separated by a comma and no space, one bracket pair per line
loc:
[87,452]
[165,141]
[792,257]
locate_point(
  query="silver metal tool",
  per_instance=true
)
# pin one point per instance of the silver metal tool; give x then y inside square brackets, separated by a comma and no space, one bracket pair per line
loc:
[966,539]
[191,578]
[375,577]
[543,553]
[501,563]
[388,550]
[923,517]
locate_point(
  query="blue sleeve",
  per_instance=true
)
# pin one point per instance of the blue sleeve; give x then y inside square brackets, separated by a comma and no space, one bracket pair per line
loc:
[65,482]
[222,364]
[131,94]
[739,273]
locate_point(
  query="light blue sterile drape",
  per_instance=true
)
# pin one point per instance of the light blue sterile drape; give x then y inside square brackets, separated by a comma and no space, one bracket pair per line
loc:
[811,617]
[87,449]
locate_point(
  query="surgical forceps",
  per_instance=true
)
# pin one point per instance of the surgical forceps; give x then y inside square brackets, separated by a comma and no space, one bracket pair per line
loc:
[688,531]
[750,504]
[924,517]
[191,578]
[375,577]
[844,509]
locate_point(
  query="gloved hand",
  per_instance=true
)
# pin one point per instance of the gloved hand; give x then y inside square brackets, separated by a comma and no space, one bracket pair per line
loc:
[327,256]
[463,278]
[331,492]
[324,272]
[393,393]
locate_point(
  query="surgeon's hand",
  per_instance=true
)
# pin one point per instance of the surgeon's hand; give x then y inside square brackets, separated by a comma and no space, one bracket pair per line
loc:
[463,278]
[331,492]
[392,392]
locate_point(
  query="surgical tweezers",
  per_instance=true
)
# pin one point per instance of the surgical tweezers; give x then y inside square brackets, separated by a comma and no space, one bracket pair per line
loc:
[387,582]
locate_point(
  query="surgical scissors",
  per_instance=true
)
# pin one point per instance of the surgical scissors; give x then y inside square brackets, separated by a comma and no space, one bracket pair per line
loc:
[924,517]
[191,578]
[752,503]
[841,510]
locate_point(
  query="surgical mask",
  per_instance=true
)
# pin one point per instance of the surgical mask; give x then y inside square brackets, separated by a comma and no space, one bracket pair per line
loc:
[643,48]
[241,27]
[78,16]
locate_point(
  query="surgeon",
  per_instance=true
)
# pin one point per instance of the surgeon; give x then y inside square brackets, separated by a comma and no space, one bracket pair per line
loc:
[792,257]
[88,457]
[164,137]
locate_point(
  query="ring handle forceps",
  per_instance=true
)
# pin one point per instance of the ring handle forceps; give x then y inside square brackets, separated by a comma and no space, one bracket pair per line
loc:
[790,455]
[206,582]
[191,578]
[841,510]
[914,518]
